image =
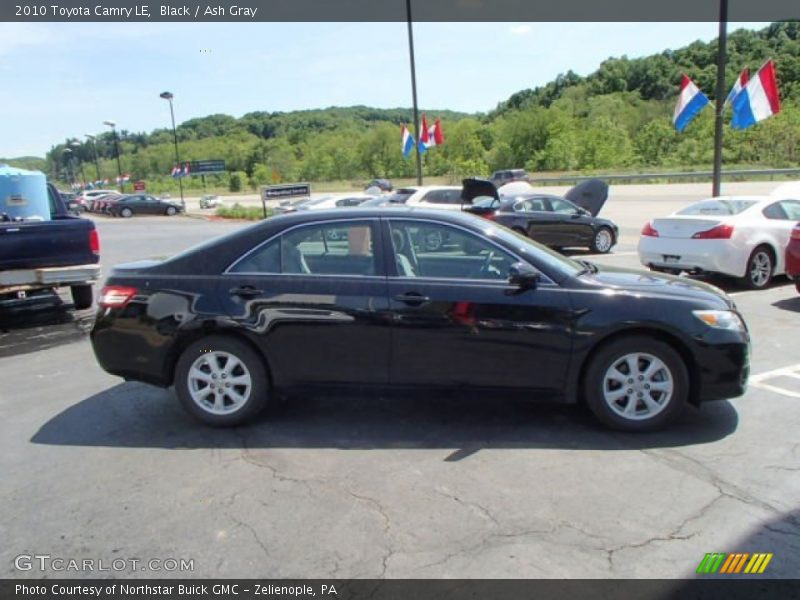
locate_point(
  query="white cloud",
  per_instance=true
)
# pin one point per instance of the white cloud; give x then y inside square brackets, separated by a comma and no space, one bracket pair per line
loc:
[520,29]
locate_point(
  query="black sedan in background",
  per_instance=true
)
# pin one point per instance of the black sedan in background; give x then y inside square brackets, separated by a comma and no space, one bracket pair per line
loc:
[142,204]
[558,222]
[352,300]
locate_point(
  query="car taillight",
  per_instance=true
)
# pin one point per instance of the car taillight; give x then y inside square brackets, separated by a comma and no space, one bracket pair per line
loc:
[94,242]
[491,216]
[720,232]
[649,231]
[796,233]
[115,296]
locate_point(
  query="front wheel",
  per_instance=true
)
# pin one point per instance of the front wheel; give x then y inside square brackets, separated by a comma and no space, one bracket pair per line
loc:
[221,381]
[759,269]
[602,241]
[126,213]
[636,384]
[171,211]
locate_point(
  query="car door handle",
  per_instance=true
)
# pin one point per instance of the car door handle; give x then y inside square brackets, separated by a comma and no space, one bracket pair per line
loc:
[246,291]
[412,298]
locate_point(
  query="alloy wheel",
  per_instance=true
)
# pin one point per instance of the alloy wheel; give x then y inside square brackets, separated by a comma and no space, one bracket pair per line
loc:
[638,386]
[219,382]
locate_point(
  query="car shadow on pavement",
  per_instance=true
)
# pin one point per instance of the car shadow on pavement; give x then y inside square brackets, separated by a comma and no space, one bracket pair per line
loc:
[791,304]
[135,415]
[31,330]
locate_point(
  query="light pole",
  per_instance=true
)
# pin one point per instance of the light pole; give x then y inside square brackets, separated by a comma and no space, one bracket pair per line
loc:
[168,97]
[77,144]
[113,125]
[89,136]
[70,166]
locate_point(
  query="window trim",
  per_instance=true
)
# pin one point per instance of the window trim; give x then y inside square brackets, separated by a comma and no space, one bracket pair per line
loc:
[392,266]
[376,241]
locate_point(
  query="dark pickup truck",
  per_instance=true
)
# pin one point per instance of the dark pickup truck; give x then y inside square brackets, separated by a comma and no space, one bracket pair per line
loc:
[38,256]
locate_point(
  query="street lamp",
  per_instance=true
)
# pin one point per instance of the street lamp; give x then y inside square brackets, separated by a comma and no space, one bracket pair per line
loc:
[113,125]
[70,166]
[89,136]
[77,144]
[168,97]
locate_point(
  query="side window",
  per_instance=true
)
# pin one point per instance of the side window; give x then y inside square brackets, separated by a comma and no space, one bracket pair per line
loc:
[437,197]
[775,211]
[266,259]
[434,250]
[326,249]
[342,248]
[792,209]
[561,206]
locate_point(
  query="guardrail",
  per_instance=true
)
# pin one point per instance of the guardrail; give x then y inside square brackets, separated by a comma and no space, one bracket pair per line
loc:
[681,175]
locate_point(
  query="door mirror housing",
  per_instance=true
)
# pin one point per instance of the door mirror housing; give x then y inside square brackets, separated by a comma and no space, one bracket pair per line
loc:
[524,276]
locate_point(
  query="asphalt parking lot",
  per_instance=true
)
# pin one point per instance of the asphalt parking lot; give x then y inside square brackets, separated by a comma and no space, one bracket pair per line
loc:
[369,487]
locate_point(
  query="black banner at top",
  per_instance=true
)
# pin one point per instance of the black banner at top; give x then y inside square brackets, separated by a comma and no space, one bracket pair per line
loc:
[393,10]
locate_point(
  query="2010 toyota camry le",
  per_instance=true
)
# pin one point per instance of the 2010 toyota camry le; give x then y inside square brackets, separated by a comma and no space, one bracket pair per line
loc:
[355,300]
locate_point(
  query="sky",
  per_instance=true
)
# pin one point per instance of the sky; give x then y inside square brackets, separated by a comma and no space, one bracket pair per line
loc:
[62,80]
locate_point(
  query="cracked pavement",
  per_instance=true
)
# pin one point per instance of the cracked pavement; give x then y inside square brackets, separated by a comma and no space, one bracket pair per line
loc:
[371,487]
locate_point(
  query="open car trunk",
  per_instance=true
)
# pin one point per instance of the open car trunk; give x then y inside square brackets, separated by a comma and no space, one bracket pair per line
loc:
[590,195]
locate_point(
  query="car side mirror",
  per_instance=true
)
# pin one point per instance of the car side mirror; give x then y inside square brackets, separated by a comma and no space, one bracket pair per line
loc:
[523,276]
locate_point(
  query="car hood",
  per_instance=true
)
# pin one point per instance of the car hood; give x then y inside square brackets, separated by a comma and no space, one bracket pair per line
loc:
[647,282]
[590,195]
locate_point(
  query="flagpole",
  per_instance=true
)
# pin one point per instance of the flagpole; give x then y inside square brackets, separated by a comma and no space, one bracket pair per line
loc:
[721,60]
[414,92]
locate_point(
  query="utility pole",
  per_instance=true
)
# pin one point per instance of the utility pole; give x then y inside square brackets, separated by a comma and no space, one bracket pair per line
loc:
[414,91]
[720,104]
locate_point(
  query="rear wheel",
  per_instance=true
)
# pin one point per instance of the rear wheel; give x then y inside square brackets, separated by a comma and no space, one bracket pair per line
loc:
[602,241]
[221,381]
[759,270]
[82,296]
[126,212]
[636,384]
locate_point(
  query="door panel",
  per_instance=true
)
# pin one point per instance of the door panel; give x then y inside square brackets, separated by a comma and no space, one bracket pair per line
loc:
[315,325]
[476,332]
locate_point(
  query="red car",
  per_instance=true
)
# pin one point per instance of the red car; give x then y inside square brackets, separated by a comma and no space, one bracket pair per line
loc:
[793,257]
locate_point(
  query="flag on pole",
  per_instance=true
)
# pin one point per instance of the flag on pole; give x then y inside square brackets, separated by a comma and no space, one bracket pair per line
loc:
[408,141]
[741,81]
[423,136]
[690,102]
[435,136]
[758,99]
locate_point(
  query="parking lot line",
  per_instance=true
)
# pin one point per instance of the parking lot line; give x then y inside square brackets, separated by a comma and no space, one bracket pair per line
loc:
[790,371]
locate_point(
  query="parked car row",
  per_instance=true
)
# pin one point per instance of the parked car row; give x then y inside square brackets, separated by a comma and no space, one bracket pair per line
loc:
[127,205]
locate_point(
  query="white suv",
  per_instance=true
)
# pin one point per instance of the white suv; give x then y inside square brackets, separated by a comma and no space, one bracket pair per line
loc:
[447,197]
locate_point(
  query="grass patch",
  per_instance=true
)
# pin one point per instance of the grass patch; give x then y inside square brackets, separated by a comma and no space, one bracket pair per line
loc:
[237,211]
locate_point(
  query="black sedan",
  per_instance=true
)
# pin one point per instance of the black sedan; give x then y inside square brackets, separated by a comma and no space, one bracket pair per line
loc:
[142,204]
[558,222]
[285,306]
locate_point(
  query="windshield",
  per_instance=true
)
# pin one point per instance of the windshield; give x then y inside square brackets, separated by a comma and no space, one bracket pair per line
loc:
[717,207]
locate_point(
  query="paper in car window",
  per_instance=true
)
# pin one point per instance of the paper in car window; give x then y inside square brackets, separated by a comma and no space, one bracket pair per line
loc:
[16,200]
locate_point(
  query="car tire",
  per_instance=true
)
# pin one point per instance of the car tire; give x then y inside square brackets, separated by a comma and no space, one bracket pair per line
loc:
[797,287]
[603,241]
[125,213]
[760,267]
[171,211]
[201,373]
[82,296]
[618,384]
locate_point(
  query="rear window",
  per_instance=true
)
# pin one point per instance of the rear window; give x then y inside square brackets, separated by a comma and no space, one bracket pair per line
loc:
[717,207]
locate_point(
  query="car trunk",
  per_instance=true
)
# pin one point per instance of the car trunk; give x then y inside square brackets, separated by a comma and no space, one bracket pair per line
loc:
[683,227]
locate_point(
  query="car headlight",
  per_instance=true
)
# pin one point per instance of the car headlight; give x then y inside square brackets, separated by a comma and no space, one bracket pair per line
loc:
[720,319]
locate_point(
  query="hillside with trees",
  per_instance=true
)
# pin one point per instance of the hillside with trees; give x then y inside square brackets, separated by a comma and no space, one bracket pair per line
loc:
[617,118]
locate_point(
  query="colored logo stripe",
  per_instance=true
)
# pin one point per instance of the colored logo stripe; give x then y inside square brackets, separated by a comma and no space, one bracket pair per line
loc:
[724,563]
